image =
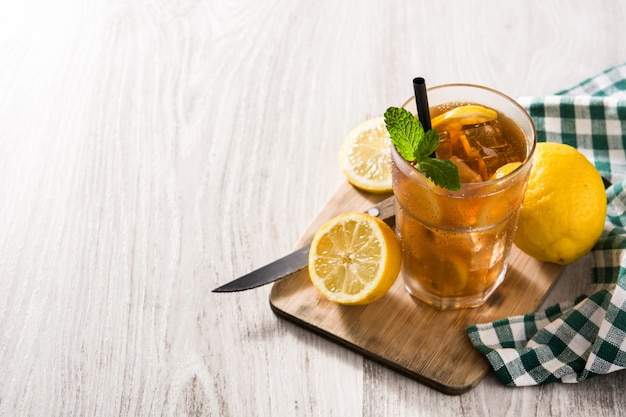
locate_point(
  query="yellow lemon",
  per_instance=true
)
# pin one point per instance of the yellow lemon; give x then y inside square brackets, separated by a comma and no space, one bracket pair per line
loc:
[564,206]
[354,259]
[471,113]
[365,156]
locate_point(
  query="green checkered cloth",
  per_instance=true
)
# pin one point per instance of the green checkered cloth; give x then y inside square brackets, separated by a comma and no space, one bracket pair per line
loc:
[573,341]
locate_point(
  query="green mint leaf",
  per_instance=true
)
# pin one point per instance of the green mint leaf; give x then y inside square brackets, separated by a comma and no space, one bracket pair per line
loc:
[413,144]
[430,141]
[442,172]
[405,130]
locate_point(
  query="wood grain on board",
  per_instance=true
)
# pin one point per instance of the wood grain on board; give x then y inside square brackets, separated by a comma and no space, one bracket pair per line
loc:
[401,332]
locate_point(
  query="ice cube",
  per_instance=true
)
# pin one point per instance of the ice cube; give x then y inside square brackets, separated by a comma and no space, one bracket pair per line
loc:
[486,139]
[484,135]
[498,157]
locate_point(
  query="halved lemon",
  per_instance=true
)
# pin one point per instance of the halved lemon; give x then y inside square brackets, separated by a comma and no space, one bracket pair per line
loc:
[365,156]
[354,259]
[470,114]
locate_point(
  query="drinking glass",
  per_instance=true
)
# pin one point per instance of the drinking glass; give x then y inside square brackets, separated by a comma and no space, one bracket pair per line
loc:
[456,244]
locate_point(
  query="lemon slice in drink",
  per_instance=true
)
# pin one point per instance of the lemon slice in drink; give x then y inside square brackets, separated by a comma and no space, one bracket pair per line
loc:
[354,259]
[365,156]
[505,170]
[470,114]
[453,275]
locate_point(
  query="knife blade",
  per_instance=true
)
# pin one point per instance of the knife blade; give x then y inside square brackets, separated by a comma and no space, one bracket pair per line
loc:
[298,259]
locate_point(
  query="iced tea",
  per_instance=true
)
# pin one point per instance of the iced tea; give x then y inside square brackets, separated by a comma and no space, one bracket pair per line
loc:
[456,244]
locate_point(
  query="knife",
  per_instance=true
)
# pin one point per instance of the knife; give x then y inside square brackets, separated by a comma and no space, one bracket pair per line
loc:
[298,259]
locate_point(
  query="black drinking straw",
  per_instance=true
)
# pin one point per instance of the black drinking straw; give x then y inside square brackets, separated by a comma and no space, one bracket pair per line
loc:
[421,99]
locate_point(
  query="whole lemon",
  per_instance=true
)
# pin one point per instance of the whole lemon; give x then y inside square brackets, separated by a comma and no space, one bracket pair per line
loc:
[564,206]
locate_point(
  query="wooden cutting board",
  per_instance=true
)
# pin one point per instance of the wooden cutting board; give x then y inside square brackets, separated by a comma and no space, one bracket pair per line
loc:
[426,344]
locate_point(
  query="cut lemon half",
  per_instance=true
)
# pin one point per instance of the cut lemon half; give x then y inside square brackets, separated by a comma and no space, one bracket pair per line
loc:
[354,259]
[470,114]
[365,156]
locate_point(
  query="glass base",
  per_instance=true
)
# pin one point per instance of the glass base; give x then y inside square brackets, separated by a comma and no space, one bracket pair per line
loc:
[449,303]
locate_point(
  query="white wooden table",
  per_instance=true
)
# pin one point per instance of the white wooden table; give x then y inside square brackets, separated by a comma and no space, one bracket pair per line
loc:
[152,150]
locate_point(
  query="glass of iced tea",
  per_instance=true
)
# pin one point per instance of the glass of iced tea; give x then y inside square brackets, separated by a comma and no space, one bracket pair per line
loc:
[456,244]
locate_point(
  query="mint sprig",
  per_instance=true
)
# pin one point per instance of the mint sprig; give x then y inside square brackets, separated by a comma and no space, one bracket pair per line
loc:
[413,144]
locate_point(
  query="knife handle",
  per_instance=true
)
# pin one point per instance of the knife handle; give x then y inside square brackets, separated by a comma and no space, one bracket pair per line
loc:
[385,210]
